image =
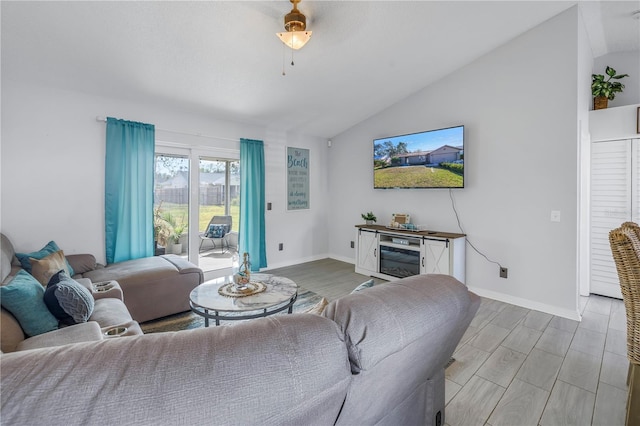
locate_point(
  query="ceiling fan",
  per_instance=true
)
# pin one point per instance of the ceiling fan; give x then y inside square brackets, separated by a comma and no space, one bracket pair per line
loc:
[295,24]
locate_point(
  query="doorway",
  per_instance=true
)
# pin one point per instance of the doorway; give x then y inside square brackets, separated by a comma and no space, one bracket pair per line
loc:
[191,187]
[218,195]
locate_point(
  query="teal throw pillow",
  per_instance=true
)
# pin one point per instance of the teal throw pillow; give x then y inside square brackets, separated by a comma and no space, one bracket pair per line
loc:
[216,230]
[50,248]
[364,285]
[68,300]
[24,298]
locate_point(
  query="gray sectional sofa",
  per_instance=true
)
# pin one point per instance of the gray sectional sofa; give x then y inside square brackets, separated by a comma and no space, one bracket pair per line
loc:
[124,294]
[153,287]
[374,357]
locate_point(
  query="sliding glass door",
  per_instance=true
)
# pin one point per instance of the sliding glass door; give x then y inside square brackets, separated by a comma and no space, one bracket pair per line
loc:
[218,201]
[192,187]
[171,204]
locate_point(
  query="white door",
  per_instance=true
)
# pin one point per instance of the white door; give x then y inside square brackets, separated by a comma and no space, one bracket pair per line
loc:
[614,199]
[367,251]
[435,257]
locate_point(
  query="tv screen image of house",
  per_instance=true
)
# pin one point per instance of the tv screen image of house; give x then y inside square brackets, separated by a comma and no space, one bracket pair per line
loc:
[430,159]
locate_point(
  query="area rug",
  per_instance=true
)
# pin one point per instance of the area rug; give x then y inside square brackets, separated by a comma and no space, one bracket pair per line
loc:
[188,320]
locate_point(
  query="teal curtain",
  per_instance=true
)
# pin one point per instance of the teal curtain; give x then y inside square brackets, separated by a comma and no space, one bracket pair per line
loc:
[128,201]
[252,232]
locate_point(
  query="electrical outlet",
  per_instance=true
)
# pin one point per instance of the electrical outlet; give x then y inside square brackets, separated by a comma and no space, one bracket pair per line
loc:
[280,246]
[353,245]
[503,272]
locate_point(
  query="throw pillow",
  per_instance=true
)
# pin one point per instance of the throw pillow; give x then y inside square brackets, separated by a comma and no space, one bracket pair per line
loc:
[23,297]
[364,285]
[318,307]
[216,230]
[45,268]
[68,300]
[50,248]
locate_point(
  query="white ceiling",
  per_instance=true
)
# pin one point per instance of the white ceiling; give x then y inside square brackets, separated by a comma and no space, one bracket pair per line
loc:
[223,59]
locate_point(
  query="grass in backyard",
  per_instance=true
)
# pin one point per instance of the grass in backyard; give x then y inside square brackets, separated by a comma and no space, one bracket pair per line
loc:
[416,176]
[179,211]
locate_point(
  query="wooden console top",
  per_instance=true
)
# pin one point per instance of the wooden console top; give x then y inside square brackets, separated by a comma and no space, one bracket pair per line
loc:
[436,234]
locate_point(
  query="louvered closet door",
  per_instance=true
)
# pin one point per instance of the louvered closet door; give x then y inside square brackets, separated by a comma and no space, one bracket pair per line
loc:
[614,199]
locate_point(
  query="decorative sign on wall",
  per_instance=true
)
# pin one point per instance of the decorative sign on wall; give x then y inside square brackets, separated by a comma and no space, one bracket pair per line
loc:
[297,178]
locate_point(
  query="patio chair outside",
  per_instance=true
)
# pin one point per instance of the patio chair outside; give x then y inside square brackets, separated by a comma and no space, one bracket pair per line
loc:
[216,233]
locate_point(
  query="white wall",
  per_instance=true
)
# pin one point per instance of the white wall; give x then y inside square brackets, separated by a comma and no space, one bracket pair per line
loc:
[53,170]
[302,232]
[520,162]
[623,63]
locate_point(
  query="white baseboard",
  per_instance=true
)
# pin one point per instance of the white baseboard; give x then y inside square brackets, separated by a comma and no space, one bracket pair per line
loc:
[342,259]
[295,262]
[529,304]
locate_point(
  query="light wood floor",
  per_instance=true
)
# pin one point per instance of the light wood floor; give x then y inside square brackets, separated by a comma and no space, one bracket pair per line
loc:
[516,366]
[328,277]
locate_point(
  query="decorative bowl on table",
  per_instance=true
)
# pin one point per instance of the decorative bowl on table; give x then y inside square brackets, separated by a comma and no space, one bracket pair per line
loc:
[241,280]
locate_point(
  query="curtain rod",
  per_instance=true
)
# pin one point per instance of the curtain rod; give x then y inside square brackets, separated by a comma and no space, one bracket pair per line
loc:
[200,135]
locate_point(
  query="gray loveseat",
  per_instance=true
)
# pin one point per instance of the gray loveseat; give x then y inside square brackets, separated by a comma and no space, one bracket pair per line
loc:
[374,357]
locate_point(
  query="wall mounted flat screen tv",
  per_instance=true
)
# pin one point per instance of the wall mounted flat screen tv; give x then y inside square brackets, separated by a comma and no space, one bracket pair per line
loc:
[430,159]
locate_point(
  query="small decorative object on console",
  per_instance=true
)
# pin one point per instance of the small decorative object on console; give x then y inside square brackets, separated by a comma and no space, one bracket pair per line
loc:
[400,220]
[369,218]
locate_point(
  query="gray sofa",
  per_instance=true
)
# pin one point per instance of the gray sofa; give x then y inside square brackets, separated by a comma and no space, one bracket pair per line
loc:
[374,357]
[152,287]
[109,312]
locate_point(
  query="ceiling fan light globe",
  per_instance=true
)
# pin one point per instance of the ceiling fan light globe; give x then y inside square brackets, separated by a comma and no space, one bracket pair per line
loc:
[295,39]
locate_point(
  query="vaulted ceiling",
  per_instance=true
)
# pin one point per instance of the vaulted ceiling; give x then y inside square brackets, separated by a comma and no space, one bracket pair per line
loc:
[223,59]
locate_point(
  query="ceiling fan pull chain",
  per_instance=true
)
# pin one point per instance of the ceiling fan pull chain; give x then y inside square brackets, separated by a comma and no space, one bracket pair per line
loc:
[292,64]
[283,59]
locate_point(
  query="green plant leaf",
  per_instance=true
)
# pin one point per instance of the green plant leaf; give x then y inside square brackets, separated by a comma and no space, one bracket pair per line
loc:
[617,77]
[610,71]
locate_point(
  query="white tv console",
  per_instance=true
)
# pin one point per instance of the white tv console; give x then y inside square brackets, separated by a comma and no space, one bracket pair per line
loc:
[391,254]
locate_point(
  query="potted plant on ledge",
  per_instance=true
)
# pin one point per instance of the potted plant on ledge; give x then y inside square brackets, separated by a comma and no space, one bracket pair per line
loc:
[176,229]
[161,231]
[604,90]
[369,218]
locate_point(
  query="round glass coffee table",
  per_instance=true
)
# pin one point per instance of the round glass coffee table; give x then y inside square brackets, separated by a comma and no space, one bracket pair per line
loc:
[280,294]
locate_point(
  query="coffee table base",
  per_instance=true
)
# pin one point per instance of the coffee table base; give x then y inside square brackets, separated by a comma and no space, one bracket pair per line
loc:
[224,316]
